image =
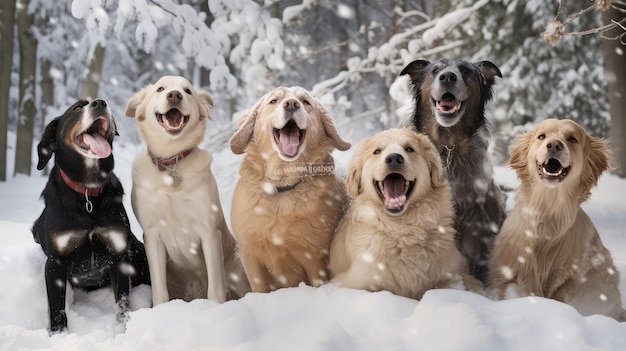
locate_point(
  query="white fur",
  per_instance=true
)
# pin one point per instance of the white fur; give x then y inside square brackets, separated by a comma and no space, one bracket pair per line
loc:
[185,233]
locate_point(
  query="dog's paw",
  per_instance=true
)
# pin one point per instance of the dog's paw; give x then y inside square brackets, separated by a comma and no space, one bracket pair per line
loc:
[123,309]
[58,324]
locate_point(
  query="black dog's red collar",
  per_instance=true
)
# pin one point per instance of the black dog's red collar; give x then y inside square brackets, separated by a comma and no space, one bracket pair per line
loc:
[164,163]
[82,189]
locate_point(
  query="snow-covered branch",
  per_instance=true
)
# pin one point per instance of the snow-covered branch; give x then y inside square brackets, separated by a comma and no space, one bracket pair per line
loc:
[242,34]
[556,28]
[401,48]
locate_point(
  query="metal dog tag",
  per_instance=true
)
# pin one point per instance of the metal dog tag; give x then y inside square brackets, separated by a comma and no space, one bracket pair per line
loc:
[177,179]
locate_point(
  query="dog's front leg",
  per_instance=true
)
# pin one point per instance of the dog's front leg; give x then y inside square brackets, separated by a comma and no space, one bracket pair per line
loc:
[56,283]
[214,259]
[157,264]
[120,280]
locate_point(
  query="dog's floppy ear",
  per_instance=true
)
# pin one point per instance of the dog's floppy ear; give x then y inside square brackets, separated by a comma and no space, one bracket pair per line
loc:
[47,145]
[330,130]
[239,141]
[598,160]
[415,70]
[135,108]
[518,160]
[353,176]
[437,175]
[115,127]
[489,70]
[205,104]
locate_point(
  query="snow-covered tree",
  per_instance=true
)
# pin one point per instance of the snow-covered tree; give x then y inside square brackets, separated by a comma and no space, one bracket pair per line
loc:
[539,81]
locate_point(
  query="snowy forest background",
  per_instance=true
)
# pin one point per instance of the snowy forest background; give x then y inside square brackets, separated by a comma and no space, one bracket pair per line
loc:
[348,53]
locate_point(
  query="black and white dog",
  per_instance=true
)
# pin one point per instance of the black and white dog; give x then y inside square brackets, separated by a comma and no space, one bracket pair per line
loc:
[84,229]
[450,98]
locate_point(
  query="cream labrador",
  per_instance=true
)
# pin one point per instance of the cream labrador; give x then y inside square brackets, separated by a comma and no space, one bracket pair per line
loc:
[288,200]
[398,235]
[191,252]
[548,245]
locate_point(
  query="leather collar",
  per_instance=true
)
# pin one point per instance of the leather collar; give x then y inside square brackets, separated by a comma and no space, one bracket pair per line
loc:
[165,163]
[81,188]
[282,189]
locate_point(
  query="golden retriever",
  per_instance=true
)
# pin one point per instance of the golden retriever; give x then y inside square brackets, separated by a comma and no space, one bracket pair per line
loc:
[191,253]
[288,200]
[398,235]
[548,245]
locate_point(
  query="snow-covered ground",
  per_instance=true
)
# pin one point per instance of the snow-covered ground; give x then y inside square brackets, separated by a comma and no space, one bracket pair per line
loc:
[302,318]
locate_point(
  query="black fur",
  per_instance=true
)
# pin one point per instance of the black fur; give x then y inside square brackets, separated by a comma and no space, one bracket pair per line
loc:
[89,260]
[479,203]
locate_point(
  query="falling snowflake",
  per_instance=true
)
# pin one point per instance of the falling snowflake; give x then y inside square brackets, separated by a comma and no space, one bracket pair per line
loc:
[234,277]
[367,257]
[507,272]
[277,240]
[268,188]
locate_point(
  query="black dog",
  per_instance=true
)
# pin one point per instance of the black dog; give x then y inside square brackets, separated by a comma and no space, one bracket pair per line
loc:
[450,98]
[84,229]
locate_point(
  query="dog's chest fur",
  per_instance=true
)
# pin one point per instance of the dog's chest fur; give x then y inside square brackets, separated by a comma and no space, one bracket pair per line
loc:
[301,204]
[181,216]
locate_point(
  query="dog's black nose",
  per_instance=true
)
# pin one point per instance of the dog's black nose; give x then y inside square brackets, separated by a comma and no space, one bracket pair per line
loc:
[291,105]
[394,160]
[174,96]
[447,77]
[555,146]
[98,103]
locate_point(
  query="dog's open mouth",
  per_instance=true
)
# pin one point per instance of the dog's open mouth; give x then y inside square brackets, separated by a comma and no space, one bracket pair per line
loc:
[173,121]
[552,170]
[448,106]
[94,139]
[289,138]
[394,191]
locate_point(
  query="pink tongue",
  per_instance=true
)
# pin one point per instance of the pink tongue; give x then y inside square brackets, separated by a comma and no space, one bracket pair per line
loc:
[97,144]
[394,193]
[447,105]
[289,141]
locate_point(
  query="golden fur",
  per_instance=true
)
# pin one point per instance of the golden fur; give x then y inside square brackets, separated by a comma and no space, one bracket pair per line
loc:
[288,201]
[191,253]
[548,246]
[401,238]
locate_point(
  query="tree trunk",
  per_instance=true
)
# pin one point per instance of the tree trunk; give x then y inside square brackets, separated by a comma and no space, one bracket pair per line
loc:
[7,22]
[91,83]
[47,95]
[615,66]
[27,107]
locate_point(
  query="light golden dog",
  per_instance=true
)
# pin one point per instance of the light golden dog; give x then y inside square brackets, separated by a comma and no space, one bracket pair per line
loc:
[288,201]
[548,246]
[398,235]
[191,252]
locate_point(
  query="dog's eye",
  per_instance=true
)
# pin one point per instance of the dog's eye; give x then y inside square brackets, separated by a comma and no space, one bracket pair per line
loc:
[408,149]
[188,91]
[572,140]
[160,89]
[541,136]
[306,102]
[376,152]
[273,101]
[78,108]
